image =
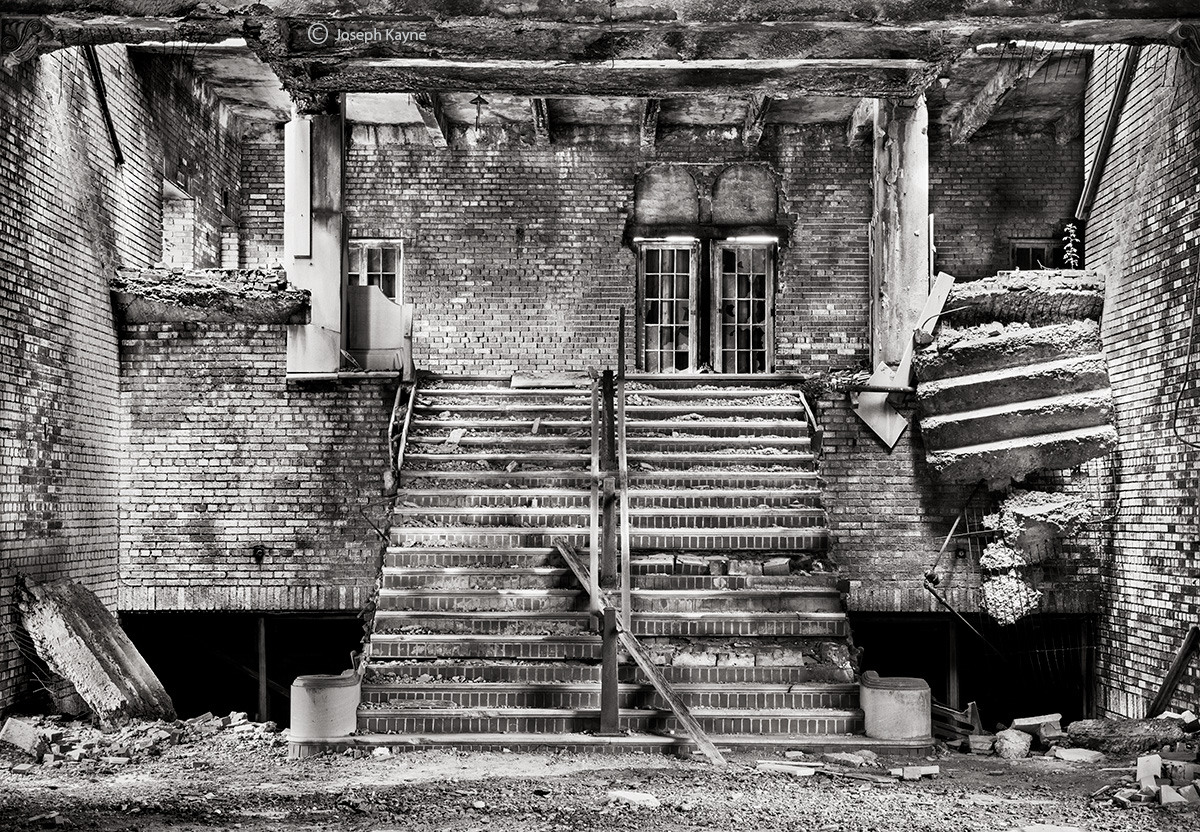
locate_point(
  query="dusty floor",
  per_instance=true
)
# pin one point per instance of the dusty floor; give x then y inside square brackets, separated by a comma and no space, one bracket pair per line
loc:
[223,783]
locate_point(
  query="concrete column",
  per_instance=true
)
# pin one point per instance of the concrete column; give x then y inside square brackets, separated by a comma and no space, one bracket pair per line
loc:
[899,226]
[313,236]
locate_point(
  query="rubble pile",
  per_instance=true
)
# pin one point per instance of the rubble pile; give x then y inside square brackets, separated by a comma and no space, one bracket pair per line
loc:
[1161,779]
[54,743]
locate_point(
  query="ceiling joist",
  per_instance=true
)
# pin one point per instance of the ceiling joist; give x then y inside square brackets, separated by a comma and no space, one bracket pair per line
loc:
[541,121]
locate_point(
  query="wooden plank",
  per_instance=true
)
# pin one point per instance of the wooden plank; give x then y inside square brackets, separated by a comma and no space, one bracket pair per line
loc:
[264,693]
[1178,667]
[430,108]
[630,642]
[541,121]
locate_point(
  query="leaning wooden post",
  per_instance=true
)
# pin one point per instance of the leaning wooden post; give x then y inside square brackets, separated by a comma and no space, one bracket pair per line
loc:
[610,706]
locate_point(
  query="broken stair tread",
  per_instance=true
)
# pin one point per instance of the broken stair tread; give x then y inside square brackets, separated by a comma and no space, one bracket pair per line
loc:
[591,686]
[1073,364]
[717,511]
[1086,434]
[1101,397]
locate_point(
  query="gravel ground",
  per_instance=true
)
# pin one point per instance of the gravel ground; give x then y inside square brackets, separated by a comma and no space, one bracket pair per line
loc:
[227,783]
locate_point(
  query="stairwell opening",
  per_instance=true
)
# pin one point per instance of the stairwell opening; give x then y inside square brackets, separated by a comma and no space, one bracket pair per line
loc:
[208,661]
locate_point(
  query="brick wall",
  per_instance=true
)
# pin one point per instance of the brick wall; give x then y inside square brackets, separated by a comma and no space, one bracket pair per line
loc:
[1143,237]
[68,217]
[224,455]
[1002,184]
[261,222]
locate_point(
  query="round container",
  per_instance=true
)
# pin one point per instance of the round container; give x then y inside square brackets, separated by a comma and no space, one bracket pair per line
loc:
[895,707]
[325,706]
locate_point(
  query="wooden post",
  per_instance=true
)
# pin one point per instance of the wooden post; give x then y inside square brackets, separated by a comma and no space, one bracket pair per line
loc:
[264,693]
[608,402]
[608,534]
[610,706]
[621,345]
[900,225]
[953,692]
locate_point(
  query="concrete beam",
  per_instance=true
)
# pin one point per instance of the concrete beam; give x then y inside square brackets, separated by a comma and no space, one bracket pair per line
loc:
[756,119]
[649,123]
[430,107]
[976,112]
[541,121]
[899,227]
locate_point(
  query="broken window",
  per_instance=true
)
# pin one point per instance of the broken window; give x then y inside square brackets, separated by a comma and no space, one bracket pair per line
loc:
[706,305]
[1039,253]
[378,263]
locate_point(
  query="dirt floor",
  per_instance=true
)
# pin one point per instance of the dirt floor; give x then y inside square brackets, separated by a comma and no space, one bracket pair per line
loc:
[224,782]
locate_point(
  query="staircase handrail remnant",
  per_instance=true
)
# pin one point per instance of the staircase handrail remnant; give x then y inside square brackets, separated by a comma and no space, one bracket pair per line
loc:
[594,504]
[398,449]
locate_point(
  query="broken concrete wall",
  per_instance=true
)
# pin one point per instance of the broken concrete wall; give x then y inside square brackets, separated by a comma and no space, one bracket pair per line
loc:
[1015,380]
[1142,239]
[71,216]
[247,295]
[82,642]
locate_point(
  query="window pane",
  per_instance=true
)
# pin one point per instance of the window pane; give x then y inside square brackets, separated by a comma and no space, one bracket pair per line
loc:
[683,259]
[355,259]
[681,286]
[373,259]
[652,261]
[760,261]
[389,260]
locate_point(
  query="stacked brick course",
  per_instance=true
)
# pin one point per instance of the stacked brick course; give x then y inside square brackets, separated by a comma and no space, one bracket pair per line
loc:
[1143,237]
[224,455]
[261,222]
[68,217]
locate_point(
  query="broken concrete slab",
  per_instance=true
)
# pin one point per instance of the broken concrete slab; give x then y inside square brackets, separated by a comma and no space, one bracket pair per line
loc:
[82,642]
[1012,744]
[1034,297]
[23,733]
[1125,736]
[1078,755]
[1033,521]
[219,295]
[1031,724]
[958,352]
[784,768]
[1149,767]
[1011,460]
[642,800]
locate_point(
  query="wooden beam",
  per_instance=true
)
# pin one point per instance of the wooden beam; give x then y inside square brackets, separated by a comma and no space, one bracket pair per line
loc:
[643,79]
[634,647]
[541,121]
[756,119]
[976,112]
[862,122]
[430,107]
[1191,643]
[264,691]
[651,107]
[1069,125]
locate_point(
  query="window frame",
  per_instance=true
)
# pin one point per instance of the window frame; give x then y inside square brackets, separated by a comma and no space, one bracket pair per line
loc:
[693,247]
[361,277]
[1052,246]
[716,301]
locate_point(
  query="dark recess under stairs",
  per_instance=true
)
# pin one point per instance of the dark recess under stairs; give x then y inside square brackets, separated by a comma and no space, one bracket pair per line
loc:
[482,638]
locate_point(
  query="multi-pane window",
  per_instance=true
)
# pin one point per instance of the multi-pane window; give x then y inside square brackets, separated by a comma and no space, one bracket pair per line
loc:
[1036,254]
[744,303]
[378,263]
[668,285]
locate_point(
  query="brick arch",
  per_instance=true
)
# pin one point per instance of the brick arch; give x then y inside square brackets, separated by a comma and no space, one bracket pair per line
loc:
[667,194]
[745,194]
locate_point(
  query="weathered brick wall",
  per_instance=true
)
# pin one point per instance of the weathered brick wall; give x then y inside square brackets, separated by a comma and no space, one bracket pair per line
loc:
[1143,238]
[68,217]
[261,221]
[225,455]
[1000,185]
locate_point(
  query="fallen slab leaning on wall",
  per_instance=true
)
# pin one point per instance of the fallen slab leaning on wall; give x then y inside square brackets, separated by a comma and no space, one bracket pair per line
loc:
[80,640]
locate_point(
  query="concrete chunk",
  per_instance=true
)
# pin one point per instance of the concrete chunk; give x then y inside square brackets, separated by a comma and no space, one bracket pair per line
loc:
[24,734]
[1167,795]
[1149,766]
[1078,755]
[79,639]
[1012,744]
[1125,736]
[1031,724]
[642,800]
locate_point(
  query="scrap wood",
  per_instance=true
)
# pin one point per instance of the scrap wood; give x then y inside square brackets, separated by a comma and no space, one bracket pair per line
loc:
[855,774]
[1191,644]
[634,647]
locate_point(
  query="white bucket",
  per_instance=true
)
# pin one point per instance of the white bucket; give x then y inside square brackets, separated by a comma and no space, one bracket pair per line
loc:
[325,706]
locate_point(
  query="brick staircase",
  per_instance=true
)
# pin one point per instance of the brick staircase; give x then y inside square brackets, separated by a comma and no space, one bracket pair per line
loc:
[482,637]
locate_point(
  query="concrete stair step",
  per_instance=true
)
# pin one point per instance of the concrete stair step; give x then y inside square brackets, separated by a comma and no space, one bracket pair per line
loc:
[706,392]
[436,443]
[382,673]
[1077,374]
[716,583]
[499,459]
[624,744]
[490,478]
[680,498]
[476,646]
[586,695]
[496,497]
[414,625]
[454,578]
[568,720]
[638,444]
[1015,457]
[1017,419]
[502,537]
[692,538]
[515,427]
[775,599]
[668,411]
[1012,347]
[492,516]
[581,412]
[722,480]
[478,600]
[731,427]
[746,460]
[430,557]
[725,518]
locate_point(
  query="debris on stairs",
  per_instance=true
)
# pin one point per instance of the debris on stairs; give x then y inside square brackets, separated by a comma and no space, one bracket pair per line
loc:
[1015,380]
[81,641]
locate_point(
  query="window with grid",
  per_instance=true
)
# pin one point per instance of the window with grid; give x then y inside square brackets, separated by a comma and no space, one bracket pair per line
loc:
[668,287]
[378,263]
[743,323]
[1040,253]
